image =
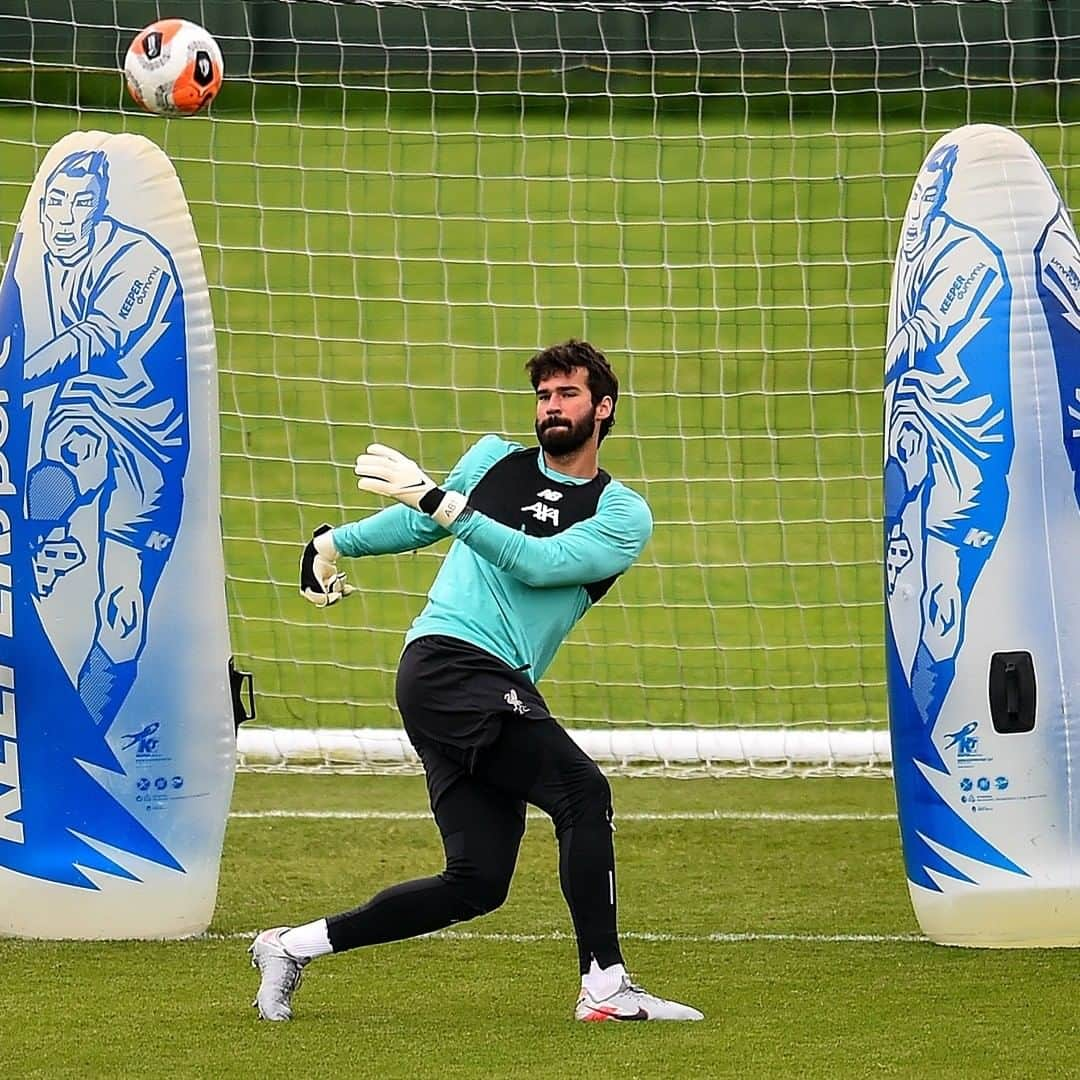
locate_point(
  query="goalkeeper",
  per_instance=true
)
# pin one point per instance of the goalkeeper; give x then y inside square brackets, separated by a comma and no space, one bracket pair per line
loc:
[540,536]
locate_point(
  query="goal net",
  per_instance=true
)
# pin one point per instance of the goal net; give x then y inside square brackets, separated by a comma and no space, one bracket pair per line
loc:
[400,202]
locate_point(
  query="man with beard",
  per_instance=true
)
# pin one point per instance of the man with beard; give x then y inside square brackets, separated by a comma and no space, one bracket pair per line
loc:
[540,536]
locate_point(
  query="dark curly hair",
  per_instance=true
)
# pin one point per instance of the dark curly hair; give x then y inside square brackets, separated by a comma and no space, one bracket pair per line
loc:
[562,359]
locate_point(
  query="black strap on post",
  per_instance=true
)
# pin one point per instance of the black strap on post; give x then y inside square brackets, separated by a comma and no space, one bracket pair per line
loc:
[1012,692]
[243,703]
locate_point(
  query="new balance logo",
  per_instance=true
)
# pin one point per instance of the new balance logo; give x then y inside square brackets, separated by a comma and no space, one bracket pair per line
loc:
[549,495]
[511,698]
[543,512]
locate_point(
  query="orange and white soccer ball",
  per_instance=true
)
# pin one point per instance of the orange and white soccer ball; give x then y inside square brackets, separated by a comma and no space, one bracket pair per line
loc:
[173,68]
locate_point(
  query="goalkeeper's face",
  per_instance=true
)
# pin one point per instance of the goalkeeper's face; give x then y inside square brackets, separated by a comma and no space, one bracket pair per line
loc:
[566,418]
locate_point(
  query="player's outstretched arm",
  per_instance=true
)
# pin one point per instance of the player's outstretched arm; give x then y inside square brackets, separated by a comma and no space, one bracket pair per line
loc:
[397,528]
[602,546]
[389,532]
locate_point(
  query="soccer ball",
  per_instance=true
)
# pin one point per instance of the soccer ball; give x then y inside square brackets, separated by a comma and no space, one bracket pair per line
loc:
[173,68]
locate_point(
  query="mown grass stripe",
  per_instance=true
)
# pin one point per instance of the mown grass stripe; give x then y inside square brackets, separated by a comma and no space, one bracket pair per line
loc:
[720,937]
[659,815]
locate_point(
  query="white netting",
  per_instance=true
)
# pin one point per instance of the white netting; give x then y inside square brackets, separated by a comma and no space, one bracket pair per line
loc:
[399,203]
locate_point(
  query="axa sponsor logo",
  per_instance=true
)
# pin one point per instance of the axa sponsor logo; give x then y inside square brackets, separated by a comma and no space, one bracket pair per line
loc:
[541,509]
[543,512]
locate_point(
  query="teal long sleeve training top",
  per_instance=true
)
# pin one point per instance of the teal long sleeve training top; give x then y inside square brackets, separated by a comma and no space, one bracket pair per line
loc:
[514,587]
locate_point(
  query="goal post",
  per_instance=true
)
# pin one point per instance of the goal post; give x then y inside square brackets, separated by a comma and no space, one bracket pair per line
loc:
[400,202]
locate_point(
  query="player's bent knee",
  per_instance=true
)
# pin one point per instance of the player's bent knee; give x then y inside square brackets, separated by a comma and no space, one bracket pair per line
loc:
[588,799]
[478,894]
[489,893]
[595,791]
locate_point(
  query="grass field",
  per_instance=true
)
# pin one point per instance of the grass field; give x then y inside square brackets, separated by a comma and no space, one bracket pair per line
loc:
[793,933]
[735,267]
[386,271]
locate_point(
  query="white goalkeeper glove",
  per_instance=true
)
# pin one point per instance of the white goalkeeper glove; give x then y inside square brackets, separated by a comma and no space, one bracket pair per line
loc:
[386,472]
[320,580]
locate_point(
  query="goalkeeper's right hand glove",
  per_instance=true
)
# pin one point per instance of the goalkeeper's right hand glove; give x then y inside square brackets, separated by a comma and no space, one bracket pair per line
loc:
[320,580]
[385,471]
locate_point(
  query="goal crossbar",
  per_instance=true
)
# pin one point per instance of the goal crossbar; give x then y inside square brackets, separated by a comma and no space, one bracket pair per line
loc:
[623,750]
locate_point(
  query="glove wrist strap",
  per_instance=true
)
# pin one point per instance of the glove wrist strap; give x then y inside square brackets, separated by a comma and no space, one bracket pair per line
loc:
[445,507]
[323,541]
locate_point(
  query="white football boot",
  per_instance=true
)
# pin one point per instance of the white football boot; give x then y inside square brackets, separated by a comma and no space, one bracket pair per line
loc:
[630,1002]
[281,974]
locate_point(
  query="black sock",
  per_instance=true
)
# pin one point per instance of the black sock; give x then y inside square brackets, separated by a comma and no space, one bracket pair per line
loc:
[401,911]
[587,876]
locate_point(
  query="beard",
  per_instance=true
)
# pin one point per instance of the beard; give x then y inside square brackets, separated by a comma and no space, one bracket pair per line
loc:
[560,437]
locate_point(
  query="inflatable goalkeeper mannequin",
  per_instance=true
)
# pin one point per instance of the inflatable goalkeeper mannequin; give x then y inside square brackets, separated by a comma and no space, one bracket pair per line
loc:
[982,535]
[116,724]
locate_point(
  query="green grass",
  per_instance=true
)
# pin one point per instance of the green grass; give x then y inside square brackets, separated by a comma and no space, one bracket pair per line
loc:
[798,1003]
[385,271]
[735,267]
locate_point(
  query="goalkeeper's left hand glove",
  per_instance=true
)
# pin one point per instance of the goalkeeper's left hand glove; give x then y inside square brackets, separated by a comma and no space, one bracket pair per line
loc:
[320,580]
[384,471]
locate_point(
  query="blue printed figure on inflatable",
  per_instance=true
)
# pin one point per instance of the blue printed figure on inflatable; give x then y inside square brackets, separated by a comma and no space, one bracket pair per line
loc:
[108,412]
[981,525]
[1058,263]
[116,777]
[948,425]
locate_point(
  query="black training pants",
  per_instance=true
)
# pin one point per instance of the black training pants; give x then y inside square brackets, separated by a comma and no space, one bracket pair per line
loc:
[489,747]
